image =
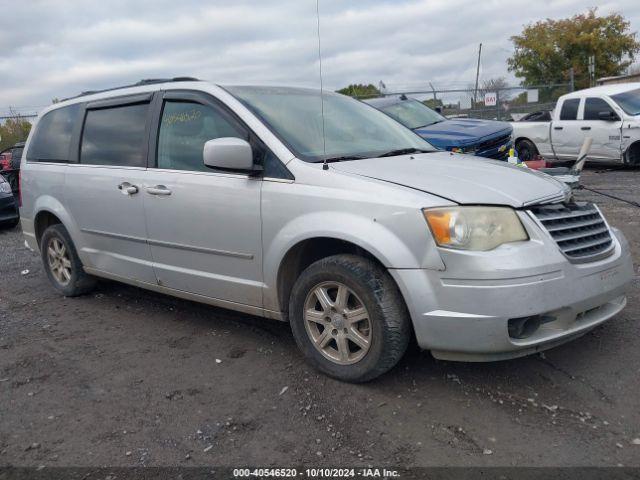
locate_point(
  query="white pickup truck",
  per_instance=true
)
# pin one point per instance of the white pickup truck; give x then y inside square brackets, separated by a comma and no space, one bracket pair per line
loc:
[609,114]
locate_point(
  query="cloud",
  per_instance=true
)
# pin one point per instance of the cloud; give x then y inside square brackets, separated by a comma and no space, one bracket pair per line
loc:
[59,48]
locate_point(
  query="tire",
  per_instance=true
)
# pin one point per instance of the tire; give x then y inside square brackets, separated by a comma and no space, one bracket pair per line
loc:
[56,239]
[384,321]
[11,224]
[632,155]
[526,150]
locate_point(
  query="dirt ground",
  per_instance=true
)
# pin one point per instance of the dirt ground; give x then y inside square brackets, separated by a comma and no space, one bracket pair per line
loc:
[127,377]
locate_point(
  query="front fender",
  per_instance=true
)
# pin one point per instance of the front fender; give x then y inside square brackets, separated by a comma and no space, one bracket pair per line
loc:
[379,235]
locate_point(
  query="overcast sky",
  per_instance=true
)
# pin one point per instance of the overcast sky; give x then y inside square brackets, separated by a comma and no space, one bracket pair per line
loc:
[57,48]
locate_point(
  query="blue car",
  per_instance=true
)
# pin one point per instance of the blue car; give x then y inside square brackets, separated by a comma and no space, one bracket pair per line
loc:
[484,138]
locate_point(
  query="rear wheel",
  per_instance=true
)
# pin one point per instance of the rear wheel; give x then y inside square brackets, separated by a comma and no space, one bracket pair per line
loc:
[348,318]
[526,150]
[62,264]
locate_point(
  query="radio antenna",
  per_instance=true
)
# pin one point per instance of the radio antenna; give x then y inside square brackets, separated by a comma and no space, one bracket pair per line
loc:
[325,166]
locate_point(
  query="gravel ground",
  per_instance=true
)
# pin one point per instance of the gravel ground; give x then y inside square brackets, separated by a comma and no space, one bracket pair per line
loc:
[127,377]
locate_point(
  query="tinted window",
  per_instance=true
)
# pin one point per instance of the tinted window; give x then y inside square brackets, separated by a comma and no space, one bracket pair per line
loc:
[53,135]
[115,136]
[185,128]
[570,109]
[593,106]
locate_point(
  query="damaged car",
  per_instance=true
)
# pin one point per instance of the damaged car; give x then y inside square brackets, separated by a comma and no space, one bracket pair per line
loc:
[473,136]
[340,221]
[608,114]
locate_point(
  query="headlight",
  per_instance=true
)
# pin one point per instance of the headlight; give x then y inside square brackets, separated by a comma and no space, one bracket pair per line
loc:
[474,228]
[467,150]
[5,187]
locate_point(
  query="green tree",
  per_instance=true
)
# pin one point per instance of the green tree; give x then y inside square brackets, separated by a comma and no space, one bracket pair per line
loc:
[433,103]
[13,130]
[360,90]
[546,50]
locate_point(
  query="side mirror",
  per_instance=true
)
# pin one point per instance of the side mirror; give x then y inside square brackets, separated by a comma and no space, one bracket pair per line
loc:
[228,153]
[608,116]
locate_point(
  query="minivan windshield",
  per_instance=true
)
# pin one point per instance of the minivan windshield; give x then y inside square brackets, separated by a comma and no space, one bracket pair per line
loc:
[628,101]
[412,114]
[352,129]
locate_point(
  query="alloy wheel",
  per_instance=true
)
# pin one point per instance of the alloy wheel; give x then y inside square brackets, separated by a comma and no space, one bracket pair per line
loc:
[337,323]
[59,261]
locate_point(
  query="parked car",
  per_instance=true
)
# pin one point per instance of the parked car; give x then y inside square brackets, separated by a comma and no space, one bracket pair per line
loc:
[483,138]
[609,114]
[9,216]
[10,165]
[347,225]
[5,160]
[16,155]
[10,157]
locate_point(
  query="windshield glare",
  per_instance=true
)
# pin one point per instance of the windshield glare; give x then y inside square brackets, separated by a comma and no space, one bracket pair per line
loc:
[351,128]
[412,114]
[628,101]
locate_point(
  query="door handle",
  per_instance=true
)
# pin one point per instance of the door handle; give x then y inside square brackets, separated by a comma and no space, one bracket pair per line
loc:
[557,128]
[127,189]
[158,190]
[585,128]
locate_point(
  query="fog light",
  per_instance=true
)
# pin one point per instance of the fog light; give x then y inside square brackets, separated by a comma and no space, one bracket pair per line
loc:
[524,327]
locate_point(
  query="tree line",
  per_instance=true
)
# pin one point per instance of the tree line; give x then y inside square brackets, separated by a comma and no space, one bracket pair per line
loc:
[550,51]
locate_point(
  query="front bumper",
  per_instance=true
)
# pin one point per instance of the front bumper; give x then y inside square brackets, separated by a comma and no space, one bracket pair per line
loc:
[8,208]
[463,313]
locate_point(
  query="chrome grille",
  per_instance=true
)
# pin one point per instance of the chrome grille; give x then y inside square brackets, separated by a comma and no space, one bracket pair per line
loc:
[578,229]
[495,142]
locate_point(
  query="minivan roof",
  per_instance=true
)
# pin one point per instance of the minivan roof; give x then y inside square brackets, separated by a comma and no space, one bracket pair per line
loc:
[143,82]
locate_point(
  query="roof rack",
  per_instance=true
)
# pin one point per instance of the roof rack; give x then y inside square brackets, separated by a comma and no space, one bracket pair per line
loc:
[145,81]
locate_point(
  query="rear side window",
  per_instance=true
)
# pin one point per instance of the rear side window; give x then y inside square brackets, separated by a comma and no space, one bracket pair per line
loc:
[593,106]
[569,109]
[52,138]
[115,136]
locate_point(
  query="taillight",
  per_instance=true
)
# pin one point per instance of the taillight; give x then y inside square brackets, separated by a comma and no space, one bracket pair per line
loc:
[20,188]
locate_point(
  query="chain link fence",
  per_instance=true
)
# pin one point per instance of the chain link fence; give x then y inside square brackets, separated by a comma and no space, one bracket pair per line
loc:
[507,103]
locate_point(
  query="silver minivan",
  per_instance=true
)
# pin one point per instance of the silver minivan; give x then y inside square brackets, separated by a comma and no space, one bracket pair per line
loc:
[315,209]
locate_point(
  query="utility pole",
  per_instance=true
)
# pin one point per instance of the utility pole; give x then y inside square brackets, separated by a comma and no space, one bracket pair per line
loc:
[592,70]
[572,85]
[475,93]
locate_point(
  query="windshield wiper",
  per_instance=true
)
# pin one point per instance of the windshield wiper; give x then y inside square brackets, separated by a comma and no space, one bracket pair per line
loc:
[342,158]
[429,124]
[402,151]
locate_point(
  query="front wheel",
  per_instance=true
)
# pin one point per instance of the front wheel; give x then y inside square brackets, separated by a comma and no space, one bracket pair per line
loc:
[348,318]
[526,150]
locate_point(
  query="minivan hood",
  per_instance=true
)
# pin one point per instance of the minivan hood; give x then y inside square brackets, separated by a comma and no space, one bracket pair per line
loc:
[463,179]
